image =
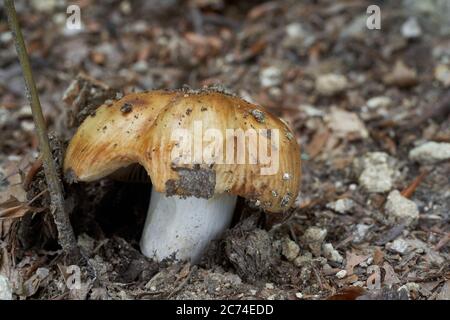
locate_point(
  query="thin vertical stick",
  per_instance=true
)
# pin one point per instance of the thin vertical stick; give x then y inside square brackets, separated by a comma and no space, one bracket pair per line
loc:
[66,237]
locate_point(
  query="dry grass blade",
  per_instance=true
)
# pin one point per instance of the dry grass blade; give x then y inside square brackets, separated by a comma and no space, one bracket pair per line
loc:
[13,208]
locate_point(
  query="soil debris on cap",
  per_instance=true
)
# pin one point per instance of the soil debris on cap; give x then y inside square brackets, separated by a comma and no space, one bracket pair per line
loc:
[258,115]
[119,95]
[126,107]
[289,136]
[287,176]
[70,176]
[197,182]
[285,200]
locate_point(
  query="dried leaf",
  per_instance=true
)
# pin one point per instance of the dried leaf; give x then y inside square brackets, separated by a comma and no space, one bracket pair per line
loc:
[353,260]
[426,288]
[374,278]
[346,125]
[443,242]
[390,234]
[401,76]
[317,143]
[184,271]
[378,256]
[13,208]
[390,277]
[349,293]
[349,279]
[385,294]
[11,180]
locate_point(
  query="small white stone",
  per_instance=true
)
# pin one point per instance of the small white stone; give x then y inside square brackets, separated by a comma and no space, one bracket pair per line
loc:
[303,260]
[376,179]
[331,84]
[331,253]
[379,102]
[299,295]
[341,274]
[311,111]
[141,66]
[399,246]
[314,237]
[430,152]
[5,288]
[125,7]
[400,209]
[44,5]
[295,30]
[6,36]
[315,234]
[341,205]
[359,283]
[411,28]
[4,116]
[371,159]
[270,77]
[252,292]
[27,126]
[410,286]
[338,184]
[59,19]
[355,28]
[375,171]
[360,232]
[442,74]
[290,249]
[269,286]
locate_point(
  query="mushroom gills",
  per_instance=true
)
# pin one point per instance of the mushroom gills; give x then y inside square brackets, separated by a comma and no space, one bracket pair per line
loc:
[182,228]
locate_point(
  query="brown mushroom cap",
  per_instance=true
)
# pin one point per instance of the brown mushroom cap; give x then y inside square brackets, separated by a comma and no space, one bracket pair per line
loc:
[138,127]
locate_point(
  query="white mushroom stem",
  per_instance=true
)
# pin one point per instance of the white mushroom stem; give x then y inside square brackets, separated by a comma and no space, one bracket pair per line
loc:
[183,228]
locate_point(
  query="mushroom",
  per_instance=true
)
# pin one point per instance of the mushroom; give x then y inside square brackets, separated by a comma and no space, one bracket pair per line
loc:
[201,149]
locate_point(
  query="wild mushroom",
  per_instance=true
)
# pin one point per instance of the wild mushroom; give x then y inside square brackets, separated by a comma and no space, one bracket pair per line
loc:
[201,150]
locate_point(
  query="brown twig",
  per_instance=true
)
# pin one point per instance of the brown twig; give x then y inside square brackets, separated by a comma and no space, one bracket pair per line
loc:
[183,283]
[409,190]
[66,236]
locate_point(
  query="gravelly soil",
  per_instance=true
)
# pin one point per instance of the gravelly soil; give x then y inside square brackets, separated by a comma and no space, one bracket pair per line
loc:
[313,63]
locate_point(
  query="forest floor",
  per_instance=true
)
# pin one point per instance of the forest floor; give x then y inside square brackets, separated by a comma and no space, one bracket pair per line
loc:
[370,109]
